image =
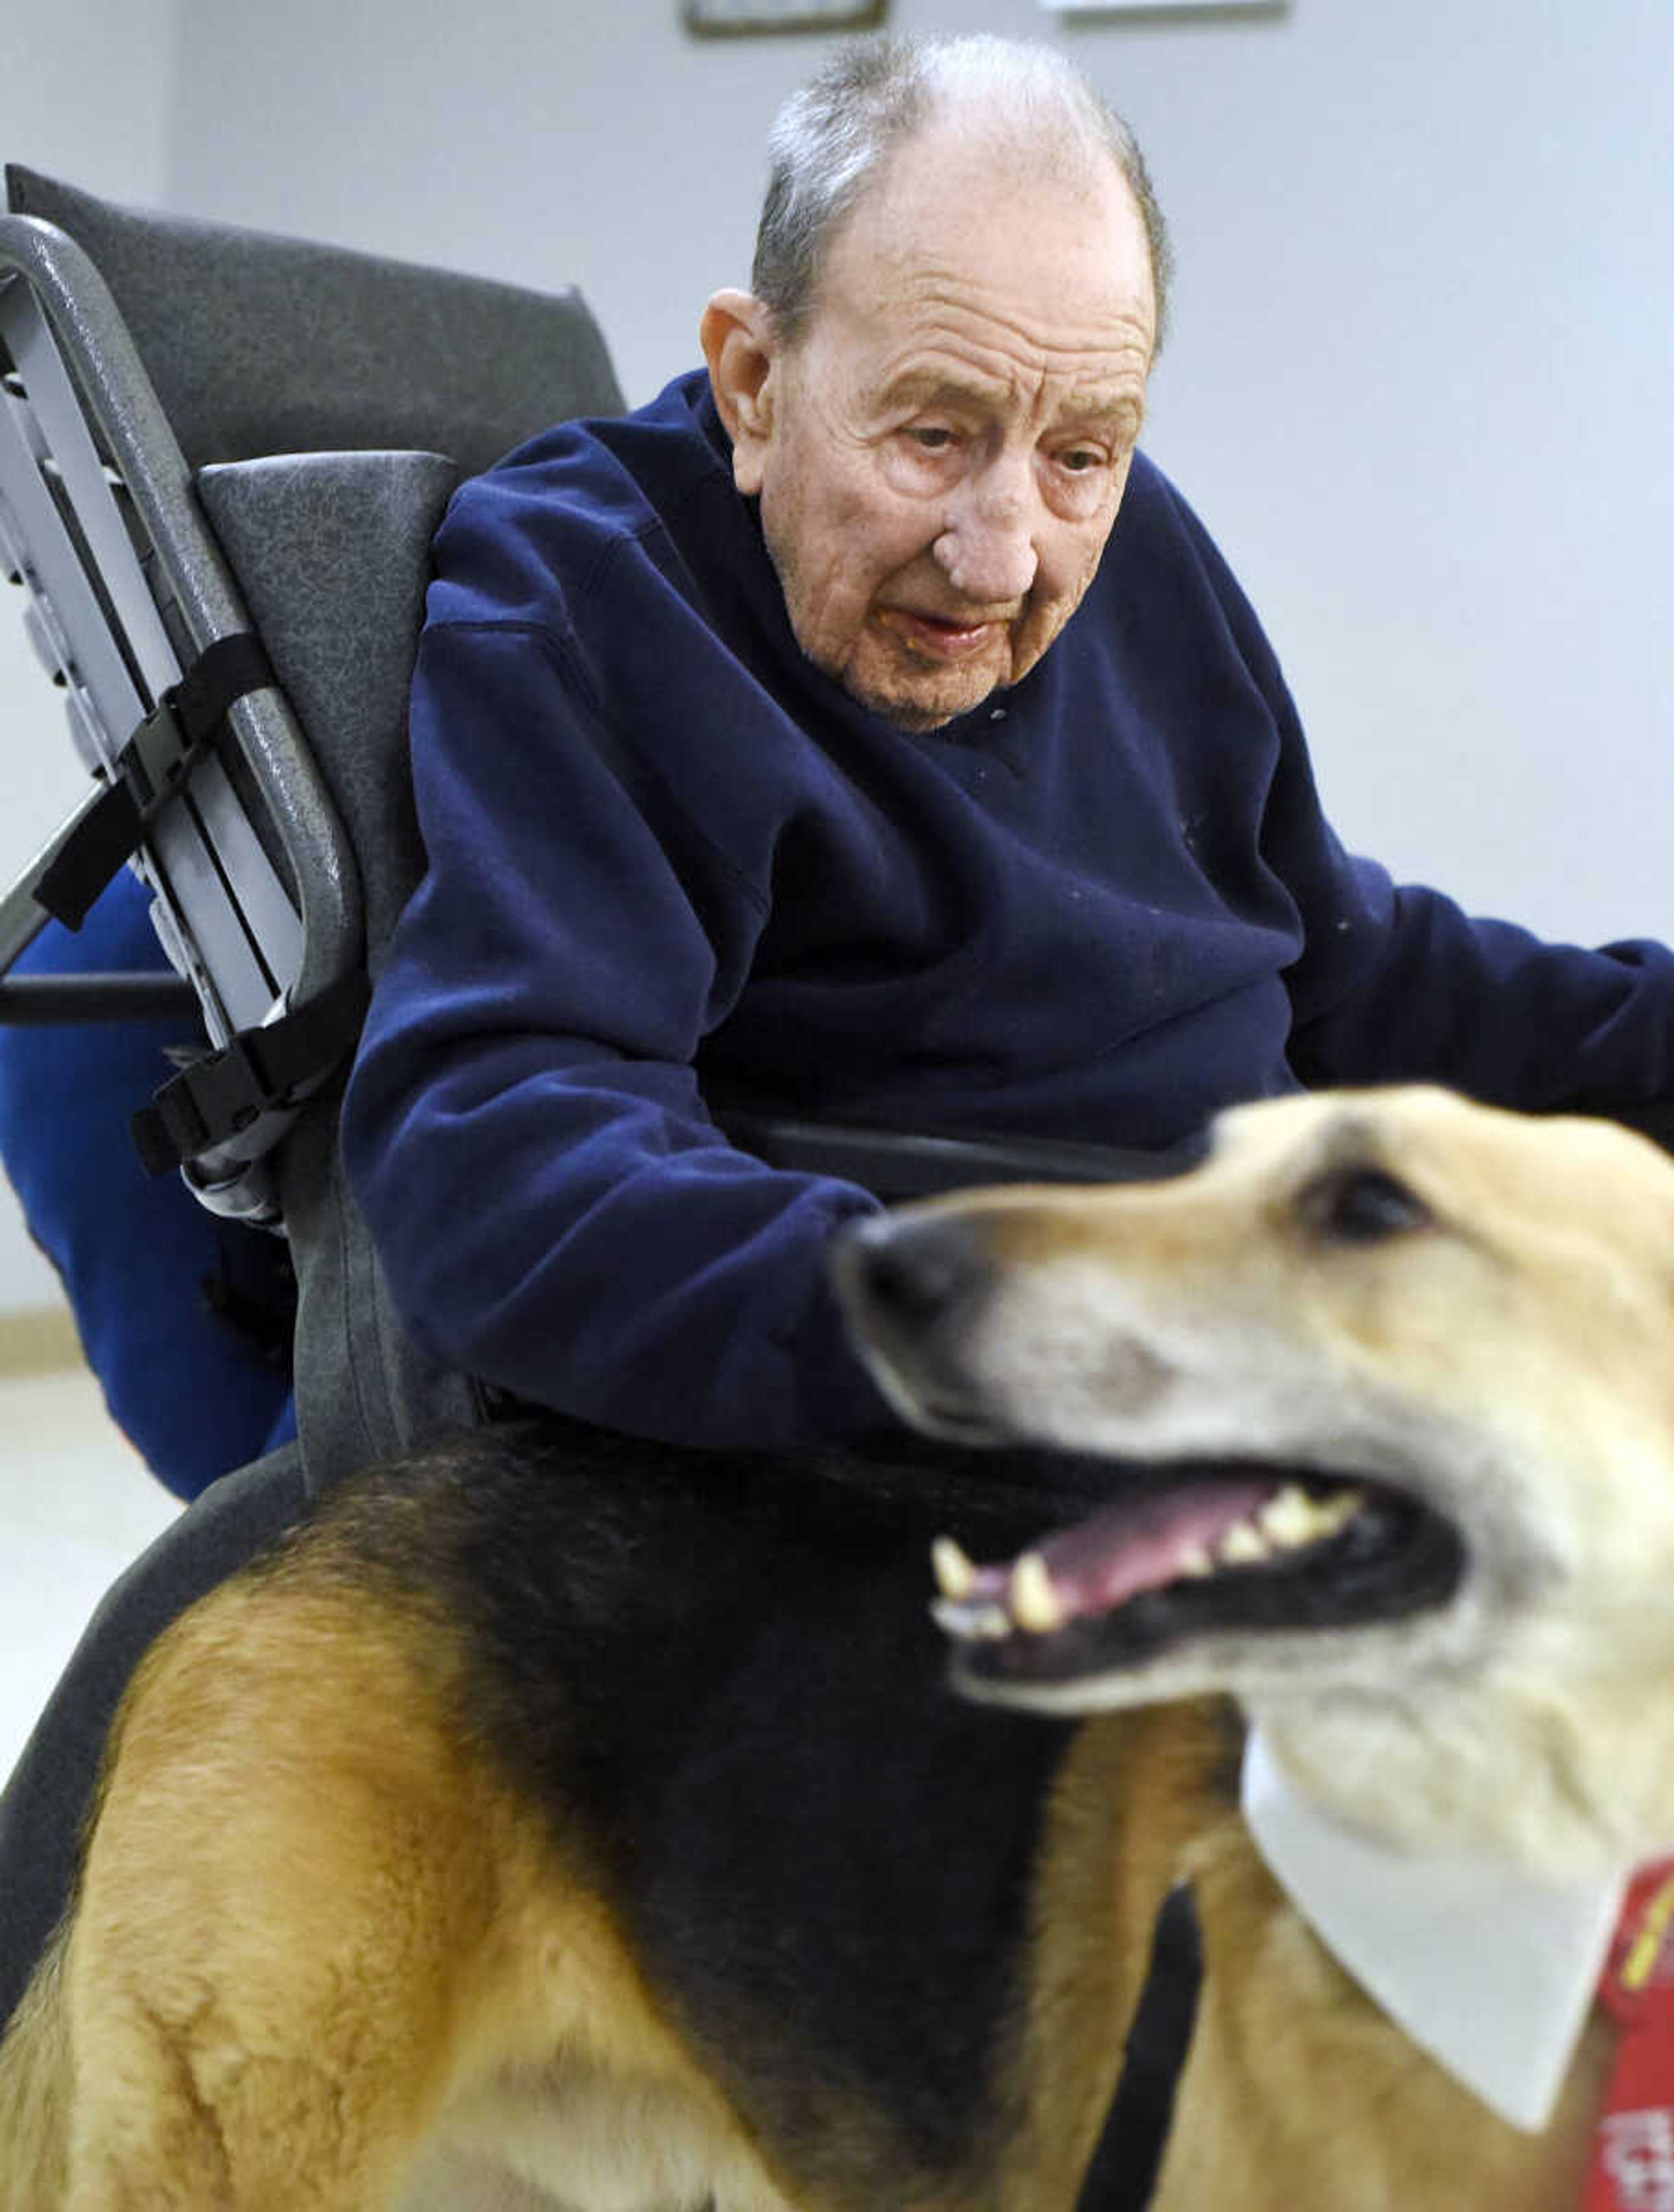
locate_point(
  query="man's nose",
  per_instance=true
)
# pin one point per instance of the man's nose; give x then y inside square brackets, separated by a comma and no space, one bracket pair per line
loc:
[986,549]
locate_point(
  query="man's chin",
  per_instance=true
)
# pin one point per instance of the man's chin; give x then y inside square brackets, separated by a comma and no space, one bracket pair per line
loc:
[923,699]
[919,721]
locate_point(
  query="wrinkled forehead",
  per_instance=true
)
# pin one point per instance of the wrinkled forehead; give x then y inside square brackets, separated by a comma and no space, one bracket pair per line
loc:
[1045,244]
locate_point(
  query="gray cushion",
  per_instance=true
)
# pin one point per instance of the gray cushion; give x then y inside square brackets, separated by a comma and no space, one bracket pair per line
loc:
[263,344]
[332,553]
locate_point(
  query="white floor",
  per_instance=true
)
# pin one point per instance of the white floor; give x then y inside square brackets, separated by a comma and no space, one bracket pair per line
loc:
[76,1504]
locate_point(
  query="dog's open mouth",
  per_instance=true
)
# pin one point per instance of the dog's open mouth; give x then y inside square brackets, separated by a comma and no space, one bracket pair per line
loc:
[1207,1549]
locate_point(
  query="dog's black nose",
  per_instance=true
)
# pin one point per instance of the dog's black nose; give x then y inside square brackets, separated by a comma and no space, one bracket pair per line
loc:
[913,1287]
[901,1278]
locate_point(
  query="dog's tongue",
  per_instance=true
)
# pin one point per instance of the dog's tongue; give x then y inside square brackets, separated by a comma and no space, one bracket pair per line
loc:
[1143,1542]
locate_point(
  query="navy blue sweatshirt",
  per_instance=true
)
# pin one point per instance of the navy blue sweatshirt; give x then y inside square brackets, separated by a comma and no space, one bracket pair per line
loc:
[665,852]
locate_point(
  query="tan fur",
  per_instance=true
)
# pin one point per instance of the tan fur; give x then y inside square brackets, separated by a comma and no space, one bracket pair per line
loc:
[468,2012]
[1297,2085]
[36,2093]
[285,1759]
[1298,2096]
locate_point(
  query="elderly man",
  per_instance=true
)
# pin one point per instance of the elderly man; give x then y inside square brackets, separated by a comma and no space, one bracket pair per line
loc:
[867,726]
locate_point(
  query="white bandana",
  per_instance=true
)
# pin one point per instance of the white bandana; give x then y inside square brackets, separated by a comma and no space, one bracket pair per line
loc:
[1491,1973]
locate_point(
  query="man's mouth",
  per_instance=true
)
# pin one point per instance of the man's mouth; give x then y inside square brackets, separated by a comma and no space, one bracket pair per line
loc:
[939,637]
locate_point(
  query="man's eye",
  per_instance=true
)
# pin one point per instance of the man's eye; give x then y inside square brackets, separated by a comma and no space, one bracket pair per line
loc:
[1079,459]
[931,438]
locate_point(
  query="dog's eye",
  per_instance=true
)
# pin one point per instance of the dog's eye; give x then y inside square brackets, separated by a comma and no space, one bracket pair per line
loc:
[1360,1205]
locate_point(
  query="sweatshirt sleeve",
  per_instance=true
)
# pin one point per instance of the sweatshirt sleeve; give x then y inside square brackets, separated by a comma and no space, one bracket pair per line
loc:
[1437,995]
[1397,983]
[554,1209]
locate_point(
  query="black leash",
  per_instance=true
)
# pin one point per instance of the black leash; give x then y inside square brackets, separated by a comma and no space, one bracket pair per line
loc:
[1122,2175]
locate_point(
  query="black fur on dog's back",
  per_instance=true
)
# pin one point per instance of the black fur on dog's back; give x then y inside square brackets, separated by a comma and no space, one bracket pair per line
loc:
[722,1668]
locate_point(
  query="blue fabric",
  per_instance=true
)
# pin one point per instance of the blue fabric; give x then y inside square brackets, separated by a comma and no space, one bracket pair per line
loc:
[135,1255]
[666,855]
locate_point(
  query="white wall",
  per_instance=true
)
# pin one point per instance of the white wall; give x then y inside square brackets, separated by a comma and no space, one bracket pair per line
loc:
[87,91]
[1420,376]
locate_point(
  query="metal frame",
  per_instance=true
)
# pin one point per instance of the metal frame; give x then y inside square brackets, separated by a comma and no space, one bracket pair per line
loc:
[81,432]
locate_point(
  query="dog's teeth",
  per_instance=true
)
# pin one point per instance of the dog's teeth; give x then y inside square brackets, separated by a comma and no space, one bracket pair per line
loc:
[1244,1546]
[956,1575]
[973,1623]
[1293,1519]
[1035,1605]
[1335,1512]
[1288,1518]
[1195,1561]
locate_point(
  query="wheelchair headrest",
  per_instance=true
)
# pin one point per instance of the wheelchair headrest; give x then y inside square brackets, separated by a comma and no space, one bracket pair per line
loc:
[258,343]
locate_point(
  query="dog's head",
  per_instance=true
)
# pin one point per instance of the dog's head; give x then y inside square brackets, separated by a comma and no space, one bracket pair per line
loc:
[1398,1370]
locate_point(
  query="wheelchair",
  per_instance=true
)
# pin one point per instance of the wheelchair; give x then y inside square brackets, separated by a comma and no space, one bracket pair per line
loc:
[223,457]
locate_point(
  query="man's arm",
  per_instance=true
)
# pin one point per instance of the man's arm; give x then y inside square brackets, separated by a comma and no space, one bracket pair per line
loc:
[1397,983]
[554,1210]
[1423,991]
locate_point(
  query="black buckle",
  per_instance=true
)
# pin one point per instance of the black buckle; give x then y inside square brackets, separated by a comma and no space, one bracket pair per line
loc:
[257,1071]
[218,1096]
[157,759]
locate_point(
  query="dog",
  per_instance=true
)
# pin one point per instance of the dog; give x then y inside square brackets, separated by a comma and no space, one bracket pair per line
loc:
[555,1820]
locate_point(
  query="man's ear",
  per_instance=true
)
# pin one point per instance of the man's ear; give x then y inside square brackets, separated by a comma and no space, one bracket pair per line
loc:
[739,346]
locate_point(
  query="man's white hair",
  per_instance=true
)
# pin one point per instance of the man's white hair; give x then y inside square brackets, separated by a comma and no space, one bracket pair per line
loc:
[830,140]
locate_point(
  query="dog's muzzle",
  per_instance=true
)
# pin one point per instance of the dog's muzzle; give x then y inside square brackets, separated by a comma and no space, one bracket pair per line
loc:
[913,1288]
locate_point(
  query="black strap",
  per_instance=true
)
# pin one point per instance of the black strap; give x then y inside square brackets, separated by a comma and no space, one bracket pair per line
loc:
[1122,2176]
[259,1070]
[150,768]
[895,1164]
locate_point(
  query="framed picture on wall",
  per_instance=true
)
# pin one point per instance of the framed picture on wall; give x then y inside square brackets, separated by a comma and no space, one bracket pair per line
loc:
[1166,7]
[730,18]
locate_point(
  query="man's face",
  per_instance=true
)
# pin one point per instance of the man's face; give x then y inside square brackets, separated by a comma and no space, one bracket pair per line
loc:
[941,455]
